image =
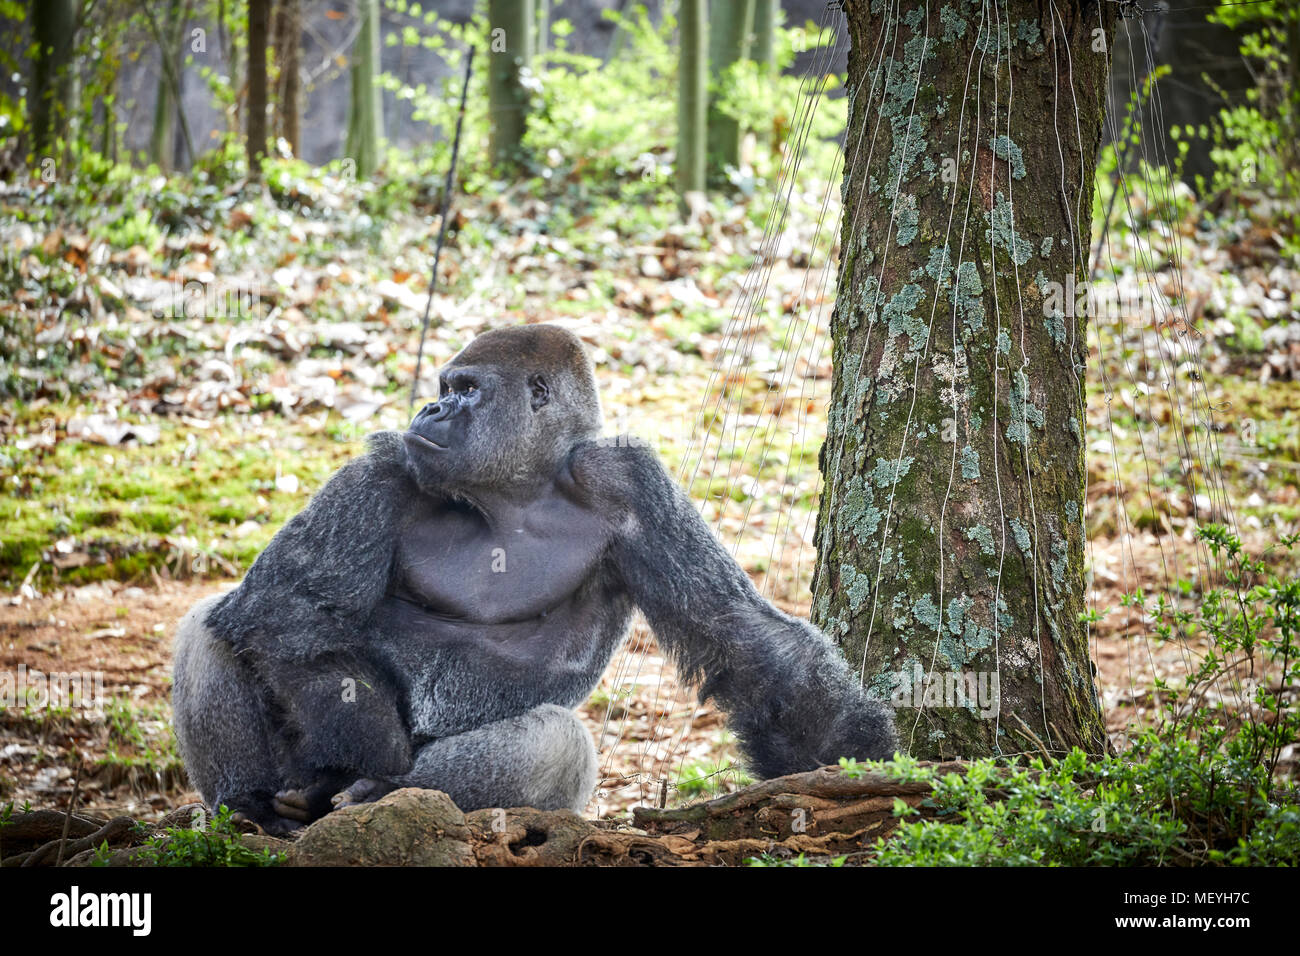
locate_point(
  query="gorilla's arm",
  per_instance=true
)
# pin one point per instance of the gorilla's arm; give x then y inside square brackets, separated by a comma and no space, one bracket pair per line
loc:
[321,576]
[788,693]
[299,617]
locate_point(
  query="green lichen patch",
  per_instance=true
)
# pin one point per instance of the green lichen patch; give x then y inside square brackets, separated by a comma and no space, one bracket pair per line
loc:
[1002,233]
[982,535]
[1004,148]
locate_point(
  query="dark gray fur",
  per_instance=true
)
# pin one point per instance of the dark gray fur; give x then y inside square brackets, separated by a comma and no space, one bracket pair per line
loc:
[465,678]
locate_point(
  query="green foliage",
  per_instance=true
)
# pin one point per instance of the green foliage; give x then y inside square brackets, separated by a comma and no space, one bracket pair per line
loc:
[1199,789]
[1256,145]
[216,844]
[140,735]
[770,104]
[698,778]
[802,860]
[614,120]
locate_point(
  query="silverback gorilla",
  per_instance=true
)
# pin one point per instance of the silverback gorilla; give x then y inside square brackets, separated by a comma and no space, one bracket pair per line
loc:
[438,610]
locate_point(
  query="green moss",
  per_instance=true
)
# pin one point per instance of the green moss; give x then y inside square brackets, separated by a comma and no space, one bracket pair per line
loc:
[127,516]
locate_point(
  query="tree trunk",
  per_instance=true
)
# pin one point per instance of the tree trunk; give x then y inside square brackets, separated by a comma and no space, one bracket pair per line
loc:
[692,96]
[543,39]
[162,142]
[288,43]
[510,51]
[767,14]
[950,534]
[259,22]
[53,25]
[366,117]
[729,40]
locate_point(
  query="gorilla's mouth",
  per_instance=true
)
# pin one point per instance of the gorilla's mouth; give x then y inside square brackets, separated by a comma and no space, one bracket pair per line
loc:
[425,441]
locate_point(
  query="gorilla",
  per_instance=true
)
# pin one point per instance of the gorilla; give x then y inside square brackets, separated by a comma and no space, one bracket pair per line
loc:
[435,614]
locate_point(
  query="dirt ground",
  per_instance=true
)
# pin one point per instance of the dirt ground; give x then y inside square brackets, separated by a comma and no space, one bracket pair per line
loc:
[658,746]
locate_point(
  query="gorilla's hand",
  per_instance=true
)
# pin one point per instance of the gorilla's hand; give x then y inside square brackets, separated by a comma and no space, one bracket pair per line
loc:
[365,790]
[303,805]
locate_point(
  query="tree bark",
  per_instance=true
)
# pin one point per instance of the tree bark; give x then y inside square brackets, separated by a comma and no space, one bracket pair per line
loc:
[366,117]
[692,96]
[53,26]
[510,52]
[950,533]
[162,142]
[288,45]
[767,14]
[259,23]
[730,29]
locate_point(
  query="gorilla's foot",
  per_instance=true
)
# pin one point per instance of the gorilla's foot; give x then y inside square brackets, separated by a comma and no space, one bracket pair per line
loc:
[304,804]
[271,826]
[365,790]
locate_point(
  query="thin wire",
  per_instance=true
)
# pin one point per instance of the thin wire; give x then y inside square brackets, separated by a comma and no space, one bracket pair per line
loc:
[442,226]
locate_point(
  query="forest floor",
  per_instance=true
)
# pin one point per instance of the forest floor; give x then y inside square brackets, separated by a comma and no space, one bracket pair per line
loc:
[153,448]
[658,746]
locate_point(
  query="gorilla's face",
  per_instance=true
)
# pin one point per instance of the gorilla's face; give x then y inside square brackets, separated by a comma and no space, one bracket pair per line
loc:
[482,431]
[510,406]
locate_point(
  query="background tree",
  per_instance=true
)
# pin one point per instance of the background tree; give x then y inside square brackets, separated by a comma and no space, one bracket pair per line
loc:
[950,533]
[510,52]
[692,96]
[259,23]
[730,30]
[365,117]
[288,47]
[162,143]
[53,30]
[542,42]
[767,14]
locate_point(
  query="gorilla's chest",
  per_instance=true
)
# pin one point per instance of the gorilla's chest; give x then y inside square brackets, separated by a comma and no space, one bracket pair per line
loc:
[519,568]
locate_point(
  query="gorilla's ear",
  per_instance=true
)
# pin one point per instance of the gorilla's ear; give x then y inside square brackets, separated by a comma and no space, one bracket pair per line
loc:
[541,392]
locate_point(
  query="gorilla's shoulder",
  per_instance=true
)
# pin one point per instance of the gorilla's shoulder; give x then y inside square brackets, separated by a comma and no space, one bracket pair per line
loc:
[621,470]
[386,447]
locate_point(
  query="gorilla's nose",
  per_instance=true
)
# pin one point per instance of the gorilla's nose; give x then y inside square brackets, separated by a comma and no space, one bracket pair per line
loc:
[438,411]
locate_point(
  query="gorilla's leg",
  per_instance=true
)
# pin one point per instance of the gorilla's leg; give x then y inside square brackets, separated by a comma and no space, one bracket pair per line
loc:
[221,726]
[543,759]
